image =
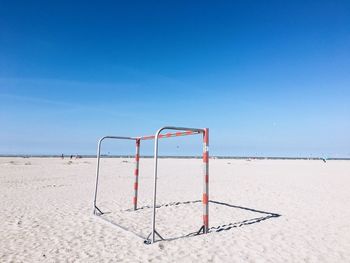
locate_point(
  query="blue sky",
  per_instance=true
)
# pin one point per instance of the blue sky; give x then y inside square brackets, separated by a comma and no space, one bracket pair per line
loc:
[267,77]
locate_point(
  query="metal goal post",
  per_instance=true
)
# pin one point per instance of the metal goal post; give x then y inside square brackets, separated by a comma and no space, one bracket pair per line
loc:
[181,131]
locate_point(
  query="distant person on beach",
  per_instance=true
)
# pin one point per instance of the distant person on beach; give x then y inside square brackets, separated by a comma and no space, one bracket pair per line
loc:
[62,156]
[71,157]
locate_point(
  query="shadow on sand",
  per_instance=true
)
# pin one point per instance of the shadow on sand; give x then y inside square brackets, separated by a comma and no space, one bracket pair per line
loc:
[225,227]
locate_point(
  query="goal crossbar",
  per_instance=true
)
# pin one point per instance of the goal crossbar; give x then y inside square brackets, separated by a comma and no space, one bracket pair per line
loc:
[169,134]
[181,131]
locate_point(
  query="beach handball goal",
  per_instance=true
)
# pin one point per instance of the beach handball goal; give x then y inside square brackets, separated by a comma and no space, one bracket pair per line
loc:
[180,131]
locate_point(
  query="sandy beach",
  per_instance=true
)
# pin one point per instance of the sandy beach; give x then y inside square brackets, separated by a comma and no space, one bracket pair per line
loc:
[260,211]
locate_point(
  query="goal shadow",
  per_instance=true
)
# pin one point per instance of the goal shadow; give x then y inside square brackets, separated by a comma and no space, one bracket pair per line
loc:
[222,222]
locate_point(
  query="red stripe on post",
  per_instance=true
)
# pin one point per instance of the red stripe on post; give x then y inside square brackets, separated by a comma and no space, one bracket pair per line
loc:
[207,179]
[178,134]
[136,172]
[137,157]
[205,199]
[188,132]
[168,134]
[134,200]
[206,136]
[136,185]
[147,137]
[205,157]
[205,220]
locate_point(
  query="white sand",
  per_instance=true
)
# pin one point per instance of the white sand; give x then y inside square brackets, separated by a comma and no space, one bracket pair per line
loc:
[46,207]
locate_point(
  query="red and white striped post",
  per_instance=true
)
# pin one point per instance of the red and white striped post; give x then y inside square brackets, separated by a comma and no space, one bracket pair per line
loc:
[136,173]
[206,180]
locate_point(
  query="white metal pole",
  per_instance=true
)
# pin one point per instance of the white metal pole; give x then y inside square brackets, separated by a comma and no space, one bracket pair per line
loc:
[155,184]
[98,163]
[97,171]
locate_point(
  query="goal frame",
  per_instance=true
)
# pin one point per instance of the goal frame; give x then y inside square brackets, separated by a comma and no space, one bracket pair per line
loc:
[182,131]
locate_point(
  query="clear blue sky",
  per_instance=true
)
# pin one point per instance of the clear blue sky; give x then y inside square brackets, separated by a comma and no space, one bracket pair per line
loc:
[267,77]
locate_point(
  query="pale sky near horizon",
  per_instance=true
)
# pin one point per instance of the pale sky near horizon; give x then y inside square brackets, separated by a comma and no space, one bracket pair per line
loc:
[268,78]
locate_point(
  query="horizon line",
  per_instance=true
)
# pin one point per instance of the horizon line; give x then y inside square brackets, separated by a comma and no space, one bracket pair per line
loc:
[174,156]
